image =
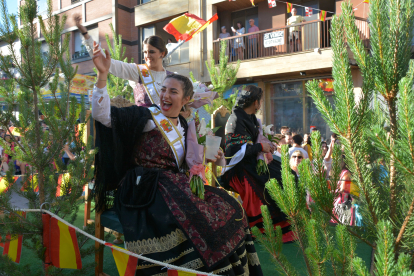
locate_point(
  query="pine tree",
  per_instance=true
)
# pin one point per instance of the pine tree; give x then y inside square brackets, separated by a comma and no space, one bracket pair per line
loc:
[40,148]
[369,134]
[222,78]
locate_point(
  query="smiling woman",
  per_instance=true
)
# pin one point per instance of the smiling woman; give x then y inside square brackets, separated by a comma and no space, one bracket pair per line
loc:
[142,155]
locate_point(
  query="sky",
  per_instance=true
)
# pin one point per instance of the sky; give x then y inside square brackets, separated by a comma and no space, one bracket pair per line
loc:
[12,5]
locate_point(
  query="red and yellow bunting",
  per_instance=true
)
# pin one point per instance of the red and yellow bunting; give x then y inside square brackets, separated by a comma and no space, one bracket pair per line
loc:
[172,272]
[30,183]
[252,2]
[125,263]
[61,244]
[13,247]
[289,7]
[366,1]
[323,15]
[63,180]
[186,26]
[4,184]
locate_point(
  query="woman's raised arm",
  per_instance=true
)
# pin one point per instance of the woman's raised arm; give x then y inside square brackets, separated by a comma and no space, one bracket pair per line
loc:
[120,69]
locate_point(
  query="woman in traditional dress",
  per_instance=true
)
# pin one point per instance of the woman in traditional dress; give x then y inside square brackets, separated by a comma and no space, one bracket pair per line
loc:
[242,131]
[141,154]
[146,79]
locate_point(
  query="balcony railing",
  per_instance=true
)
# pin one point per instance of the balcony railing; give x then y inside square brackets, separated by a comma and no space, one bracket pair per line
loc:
[80,54]
[284,40]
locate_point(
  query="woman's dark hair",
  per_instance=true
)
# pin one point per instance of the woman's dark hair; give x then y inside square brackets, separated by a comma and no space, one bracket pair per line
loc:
[186,83]
[247,99]
[241,24]
[157,42]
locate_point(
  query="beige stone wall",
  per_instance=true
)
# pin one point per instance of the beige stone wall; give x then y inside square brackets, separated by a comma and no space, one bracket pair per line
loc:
[159,10]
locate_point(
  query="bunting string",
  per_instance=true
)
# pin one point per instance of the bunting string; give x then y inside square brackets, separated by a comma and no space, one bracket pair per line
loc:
[122,250]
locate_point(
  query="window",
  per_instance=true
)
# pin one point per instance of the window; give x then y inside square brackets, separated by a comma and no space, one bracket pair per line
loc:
[79,49]
[41,6]
[181,55]
[244,16]
[144,1]
[292,106]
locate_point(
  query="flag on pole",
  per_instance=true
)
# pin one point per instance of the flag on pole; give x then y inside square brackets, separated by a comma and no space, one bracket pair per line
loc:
[323,15]
[125,263]
[252,2]
[13,247]
[61,244]
[272,3]
[186,26]
[289,7]
[172,272]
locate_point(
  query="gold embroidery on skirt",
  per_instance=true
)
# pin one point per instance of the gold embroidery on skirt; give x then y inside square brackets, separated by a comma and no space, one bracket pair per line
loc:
[161,274]
[250,242]
[243,254]
[223,269]
[236,263]
[253,259]
[194,264]
[167,261]
[156,245]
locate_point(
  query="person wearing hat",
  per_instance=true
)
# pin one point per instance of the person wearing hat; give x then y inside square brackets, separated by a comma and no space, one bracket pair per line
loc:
[225,34]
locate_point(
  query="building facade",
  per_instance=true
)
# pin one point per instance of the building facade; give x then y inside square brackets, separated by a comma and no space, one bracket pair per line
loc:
[278,67]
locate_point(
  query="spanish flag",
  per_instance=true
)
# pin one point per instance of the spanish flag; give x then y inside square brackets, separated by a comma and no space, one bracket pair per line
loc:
[323,15]
[186,26]
[61,244]
[13,247]
[289,7]
[182,273]
[125,263]
[366,1]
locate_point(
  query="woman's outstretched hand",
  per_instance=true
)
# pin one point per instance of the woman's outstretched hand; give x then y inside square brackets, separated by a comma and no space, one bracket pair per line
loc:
[102,63]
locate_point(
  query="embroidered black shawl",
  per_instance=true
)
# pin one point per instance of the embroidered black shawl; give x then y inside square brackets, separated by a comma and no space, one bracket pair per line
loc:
[115,148]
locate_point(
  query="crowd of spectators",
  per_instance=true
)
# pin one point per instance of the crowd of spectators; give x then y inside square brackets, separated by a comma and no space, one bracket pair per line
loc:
[20,167]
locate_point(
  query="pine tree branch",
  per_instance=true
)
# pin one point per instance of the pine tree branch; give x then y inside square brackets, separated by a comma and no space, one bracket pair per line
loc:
[348,228]
[404,226]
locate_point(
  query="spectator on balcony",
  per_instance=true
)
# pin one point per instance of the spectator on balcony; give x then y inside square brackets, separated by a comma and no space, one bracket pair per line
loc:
[295,32]
[253,39]
[225,34]
[238,42]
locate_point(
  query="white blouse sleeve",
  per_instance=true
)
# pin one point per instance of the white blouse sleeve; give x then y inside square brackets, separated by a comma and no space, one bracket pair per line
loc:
[101,111]
[101,106]
[123,70]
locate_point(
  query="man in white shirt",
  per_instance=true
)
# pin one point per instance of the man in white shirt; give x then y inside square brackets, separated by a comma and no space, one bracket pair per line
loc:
[295,32]
[296,145]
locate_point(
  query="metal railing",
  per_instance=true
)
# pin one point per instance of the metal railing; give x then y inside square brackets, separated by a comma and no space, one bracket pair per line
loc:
[288,39]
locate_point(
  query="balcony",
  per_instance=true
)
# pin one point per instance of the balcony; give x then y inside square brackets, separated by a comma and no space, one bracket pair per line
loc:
[80,55]
[281,41]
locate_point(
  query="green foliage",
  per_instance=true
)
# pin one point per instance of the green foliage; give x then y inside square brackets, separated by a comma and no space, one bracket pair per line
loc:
[223,77]
[38,147]
[378,150]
